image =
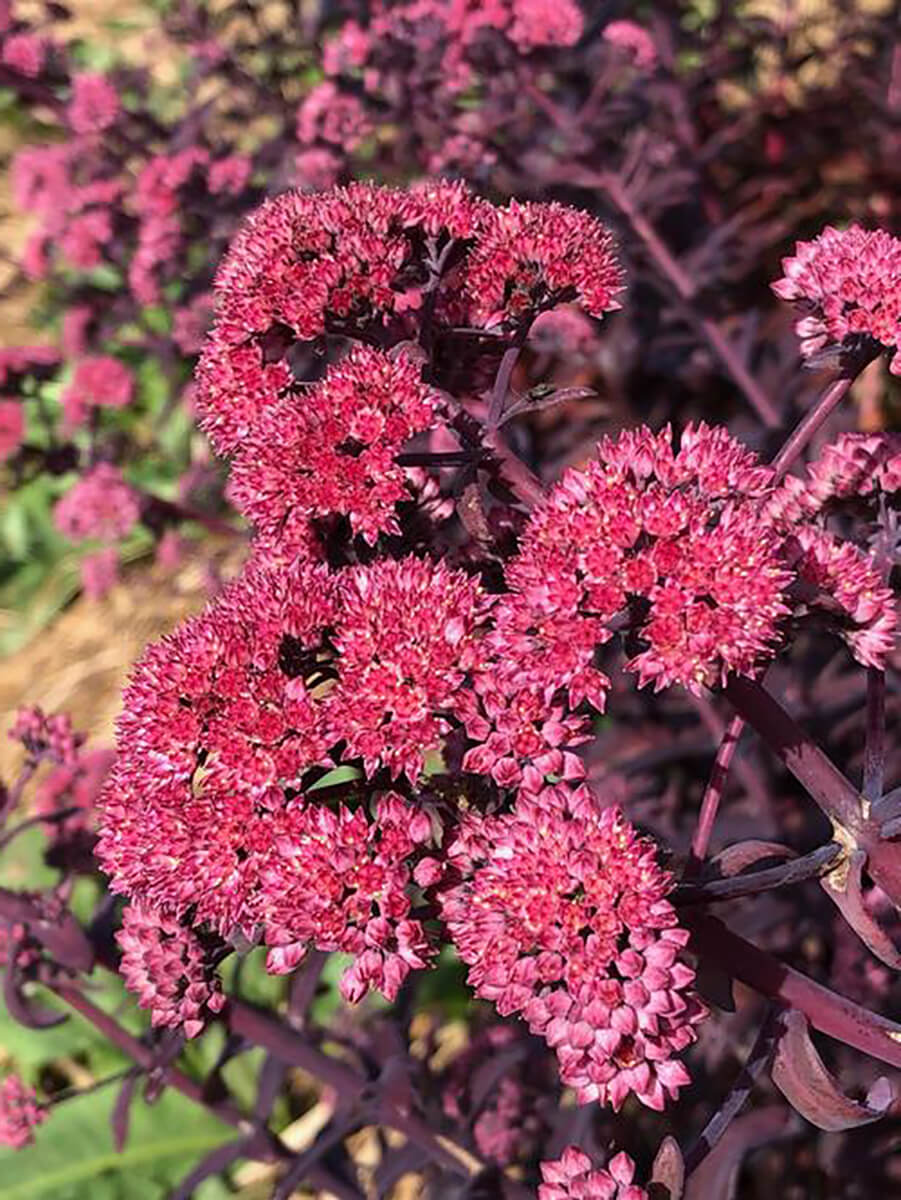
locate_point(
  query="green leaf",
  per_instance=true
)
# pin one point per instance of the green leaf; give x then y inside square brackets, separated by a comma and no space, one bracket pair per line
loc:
[73,1156]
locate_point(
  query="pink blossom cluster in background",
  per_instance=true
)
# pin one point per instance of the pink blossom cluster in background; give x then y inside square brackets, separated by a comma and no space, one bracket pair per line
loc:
[20,1112]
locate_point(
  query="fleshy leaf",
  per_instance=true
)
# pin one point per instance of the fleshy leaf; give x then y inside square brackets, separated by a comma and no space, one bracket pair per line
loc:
[844,887]
[802,1077]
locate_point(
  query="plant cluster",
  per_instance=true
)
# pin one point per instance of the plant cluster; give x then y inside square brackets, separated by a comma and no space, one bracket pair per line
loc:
[440,737]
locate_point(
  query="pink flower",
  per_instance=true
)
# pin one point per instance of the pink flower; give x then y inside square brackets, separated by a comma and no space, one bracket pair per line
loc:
[316,169]
[329,115]
[331,449]
[341,881]
[849,579]
[406,635]
[101,504]
[561,915]
[229,174]
[236,690]
[20,1113]
[76,323]
[100,572]
[73,785]
[166,965]
[47,737]
[847,286]
[574,1175]
[534,256]
[545,23]
[682,530]
[94,105]
[25,53]
[98,380]
[192,322]
[12,427]
[635,40]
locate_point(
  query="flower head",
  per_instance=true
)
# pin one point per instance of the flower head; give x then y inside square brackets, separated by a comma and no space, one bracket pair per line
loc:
[101,504]
[561,914]
[12,427]
[846,283]
[575,1175]
[166,965]
[94,105]
[331,449]
[20,1113]
[98,380]
[219,719]
[676,538]
[47,736]
[342,880]
[405,637]
[534,256]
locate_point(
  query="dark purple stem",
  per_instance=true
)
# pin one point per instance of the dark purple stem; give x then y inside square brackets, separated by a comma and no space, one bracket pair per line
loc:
[685,288]
[758,1060]
[810,424]
[713,794]
[800,754]
[826,1011]
[874,751]
[809,866]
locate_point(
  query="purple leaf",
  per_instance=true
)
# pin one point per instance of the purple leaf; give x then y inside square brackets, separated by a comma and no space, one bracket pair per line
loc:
[735,859]
[844,887]
[121,1114]
[800,1074]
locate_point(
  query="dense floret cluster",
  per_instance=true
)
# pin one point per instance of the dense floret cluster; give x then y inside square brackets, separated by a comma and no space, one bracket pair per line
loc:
[575,1177]
[561,914]
[20,1112]
[167,968]
[359,747]
[847,286]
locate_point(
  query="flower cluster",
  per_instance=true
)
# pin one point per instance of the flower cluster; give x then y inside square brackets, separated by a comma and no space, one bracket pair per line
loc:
[575,1177]
[560,912]
[854,466]
[20,1113]
[100,505]
[532,257]
[73,786]
[358,258]
[330,449]
[94,105]
[165,965]
[98,381]
[847,285]
[675,538]
[851,584]
[50,737]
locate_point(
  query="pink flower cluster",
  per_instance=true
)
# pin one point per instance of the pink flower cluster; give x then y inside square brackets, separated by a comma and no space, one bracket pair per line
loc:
[575,1177]
[100,505]
[94,106]
[165,965]
[331,448]
[855,465]
[353,259]
[846,283]
[20,1113]
[531,257]
[677,539]
[12,427]
[47,737]
[73,785]
[561,914]
[98,381]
